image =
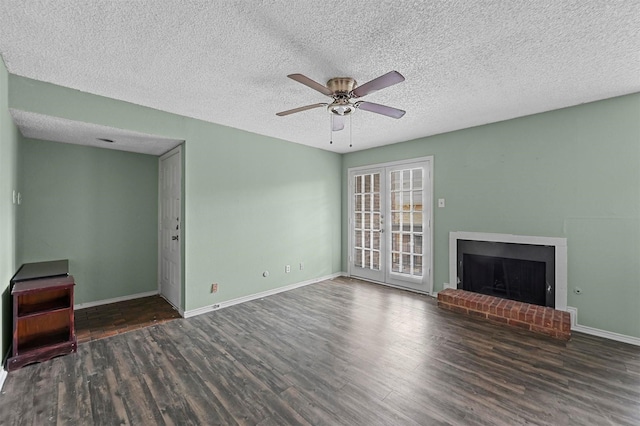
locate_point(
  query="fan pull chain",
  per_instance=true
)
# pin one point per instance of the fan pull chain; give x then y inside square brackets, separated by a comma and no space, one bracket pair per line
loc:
[350,130]
[330,130]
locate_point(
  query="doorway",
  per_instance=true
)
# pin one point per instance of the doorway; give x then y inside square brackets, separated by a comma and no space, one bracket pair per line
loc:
[390,216]
[170,227]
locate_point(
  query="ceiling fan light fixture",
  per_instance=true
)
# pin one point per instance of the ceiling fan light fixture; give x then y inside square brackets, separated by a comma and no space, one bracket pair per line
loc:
[341,108]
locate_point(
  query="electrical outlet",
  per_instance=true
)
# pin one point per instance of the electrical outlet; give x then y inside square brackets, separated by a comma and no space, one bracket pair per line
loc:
[287,268]
[214,287]
[301,266]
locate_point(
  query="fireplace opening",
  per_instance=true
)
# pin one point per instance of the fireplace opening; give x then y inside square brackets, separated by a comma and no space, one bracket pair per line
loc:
[522,272]
[515,279]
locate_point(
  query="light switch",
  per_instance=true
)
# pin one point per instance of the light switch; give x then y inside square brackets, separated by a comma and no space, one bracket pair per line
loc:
[441,202]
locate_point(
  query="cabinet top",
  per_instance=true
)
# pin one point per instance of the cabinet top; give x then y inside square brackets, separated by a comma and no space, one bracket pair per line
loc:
[33,286]
[38,270]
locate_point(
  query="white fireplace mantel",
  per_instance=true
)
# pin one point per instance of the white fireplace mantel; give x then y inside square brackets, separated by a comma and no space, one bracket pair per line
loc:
[560,245]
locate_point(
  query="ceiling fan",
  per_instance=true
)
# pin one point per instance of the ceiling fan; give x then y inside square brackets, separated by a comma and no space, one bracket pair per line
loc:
[343,90]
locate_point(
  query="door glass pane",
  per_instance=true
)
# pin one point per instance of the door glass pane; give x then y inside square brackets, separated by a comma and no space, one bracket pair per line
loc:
[417,201]
[376,221]
[417,178]
[417,222]
[376,241]
[396,201]
[396,221]
[406,179]
[395,241]
[396,181]
[395,262]
[358,185]
[367,184]
[417,244]
[406,200]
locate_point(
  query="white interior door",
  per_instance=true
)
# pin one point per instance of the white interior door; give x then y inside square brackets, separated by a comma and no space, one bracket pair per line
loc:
[170,234]
[390,224]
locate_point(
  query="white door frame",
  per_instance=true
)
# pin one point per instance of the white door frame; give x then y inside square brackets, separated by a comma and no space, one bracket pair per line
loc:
[176,150]
[429,245]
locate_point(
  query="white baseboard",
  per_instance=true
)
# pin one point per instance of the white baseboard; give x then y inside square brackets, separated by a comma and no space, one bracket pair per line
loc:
[598,332]
[114,300]
[216,306]
[3,372]
[3,376]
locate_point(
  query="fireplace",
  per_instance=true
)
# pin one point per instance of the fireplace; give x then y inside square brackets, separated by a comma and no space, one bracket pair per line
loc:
[527,269]
[521,272]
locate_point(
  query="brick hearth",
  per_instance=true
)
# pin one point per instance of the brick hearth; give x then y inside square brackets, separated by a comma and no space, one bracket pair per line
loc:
[539,319]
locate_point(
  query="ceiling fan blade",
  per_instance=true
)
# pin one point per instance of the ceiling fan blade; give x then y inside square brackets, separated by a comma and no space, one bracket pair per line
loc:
[389,79]
[337,122]
[310,83]
[380,109]
[304,108]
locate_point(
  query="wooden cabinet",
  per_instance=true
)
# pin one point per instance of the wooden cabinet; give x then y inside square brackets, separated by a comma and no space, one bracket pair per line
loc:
[43,318]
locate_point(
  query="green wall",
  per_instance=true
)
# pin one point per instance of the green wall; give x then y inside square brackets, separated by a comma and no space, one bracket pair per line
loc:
[252,203]
[96,207]
[256,204]
[571,173]
[9,141]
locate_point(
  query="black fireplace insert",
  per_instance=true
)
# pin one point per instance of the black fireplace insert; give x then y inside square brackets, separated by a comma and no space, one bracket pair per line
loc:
[522,272]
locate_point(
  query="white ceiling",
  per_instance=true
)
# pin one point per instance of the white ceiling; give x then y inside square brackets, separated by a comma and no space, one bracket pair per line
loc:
[466,63]
[47,128]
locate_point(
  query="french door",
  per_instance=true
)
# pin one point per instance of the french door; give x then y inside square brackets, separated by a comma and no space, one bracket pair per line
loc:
[390,224]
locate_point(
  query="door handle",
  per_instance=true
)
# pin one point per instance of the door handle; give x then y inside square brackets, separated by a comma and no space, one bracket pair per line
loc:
[174,238]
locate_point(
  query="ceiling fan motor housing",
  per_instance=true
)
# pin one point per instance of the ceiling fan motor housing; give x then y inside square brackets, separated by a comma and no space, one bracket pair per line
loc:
[341,88]
[341,85]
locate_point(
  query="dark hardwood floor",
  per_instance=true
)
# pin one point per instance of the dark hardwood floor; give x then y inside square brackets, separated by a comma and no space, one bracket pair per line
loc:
[339,352]
[108,320]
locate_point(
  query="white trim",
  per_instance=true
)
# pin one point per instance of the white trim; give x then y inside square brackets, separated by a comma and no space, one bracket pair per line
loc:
[3,372]
[3,377]
[598,332]
[392,163]
[177,150]
[216,306]
[114,300]
[560,245]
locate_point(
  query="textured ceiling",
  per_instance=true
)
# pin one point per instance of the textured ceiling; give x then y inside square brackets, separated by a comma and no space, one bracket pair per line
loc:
[466,63]
[44,127]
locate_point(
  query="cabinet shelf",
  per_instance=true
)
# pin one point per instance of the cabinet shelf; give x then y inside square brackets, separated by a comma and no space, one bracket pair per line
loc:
[43,341]
[43,308]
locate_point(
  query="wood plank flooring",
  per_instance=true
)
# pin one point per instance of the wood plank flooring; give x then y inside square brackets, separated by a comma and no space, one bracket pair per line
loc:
[108,320]
[340,352]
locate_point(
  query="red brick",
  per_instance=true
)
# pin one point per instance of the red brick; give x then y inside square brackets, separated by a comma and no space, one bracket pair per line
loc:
[538,317]
[477,314]
[497,318]
[519,324]
[459,309]
[566,321]
[543,330]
